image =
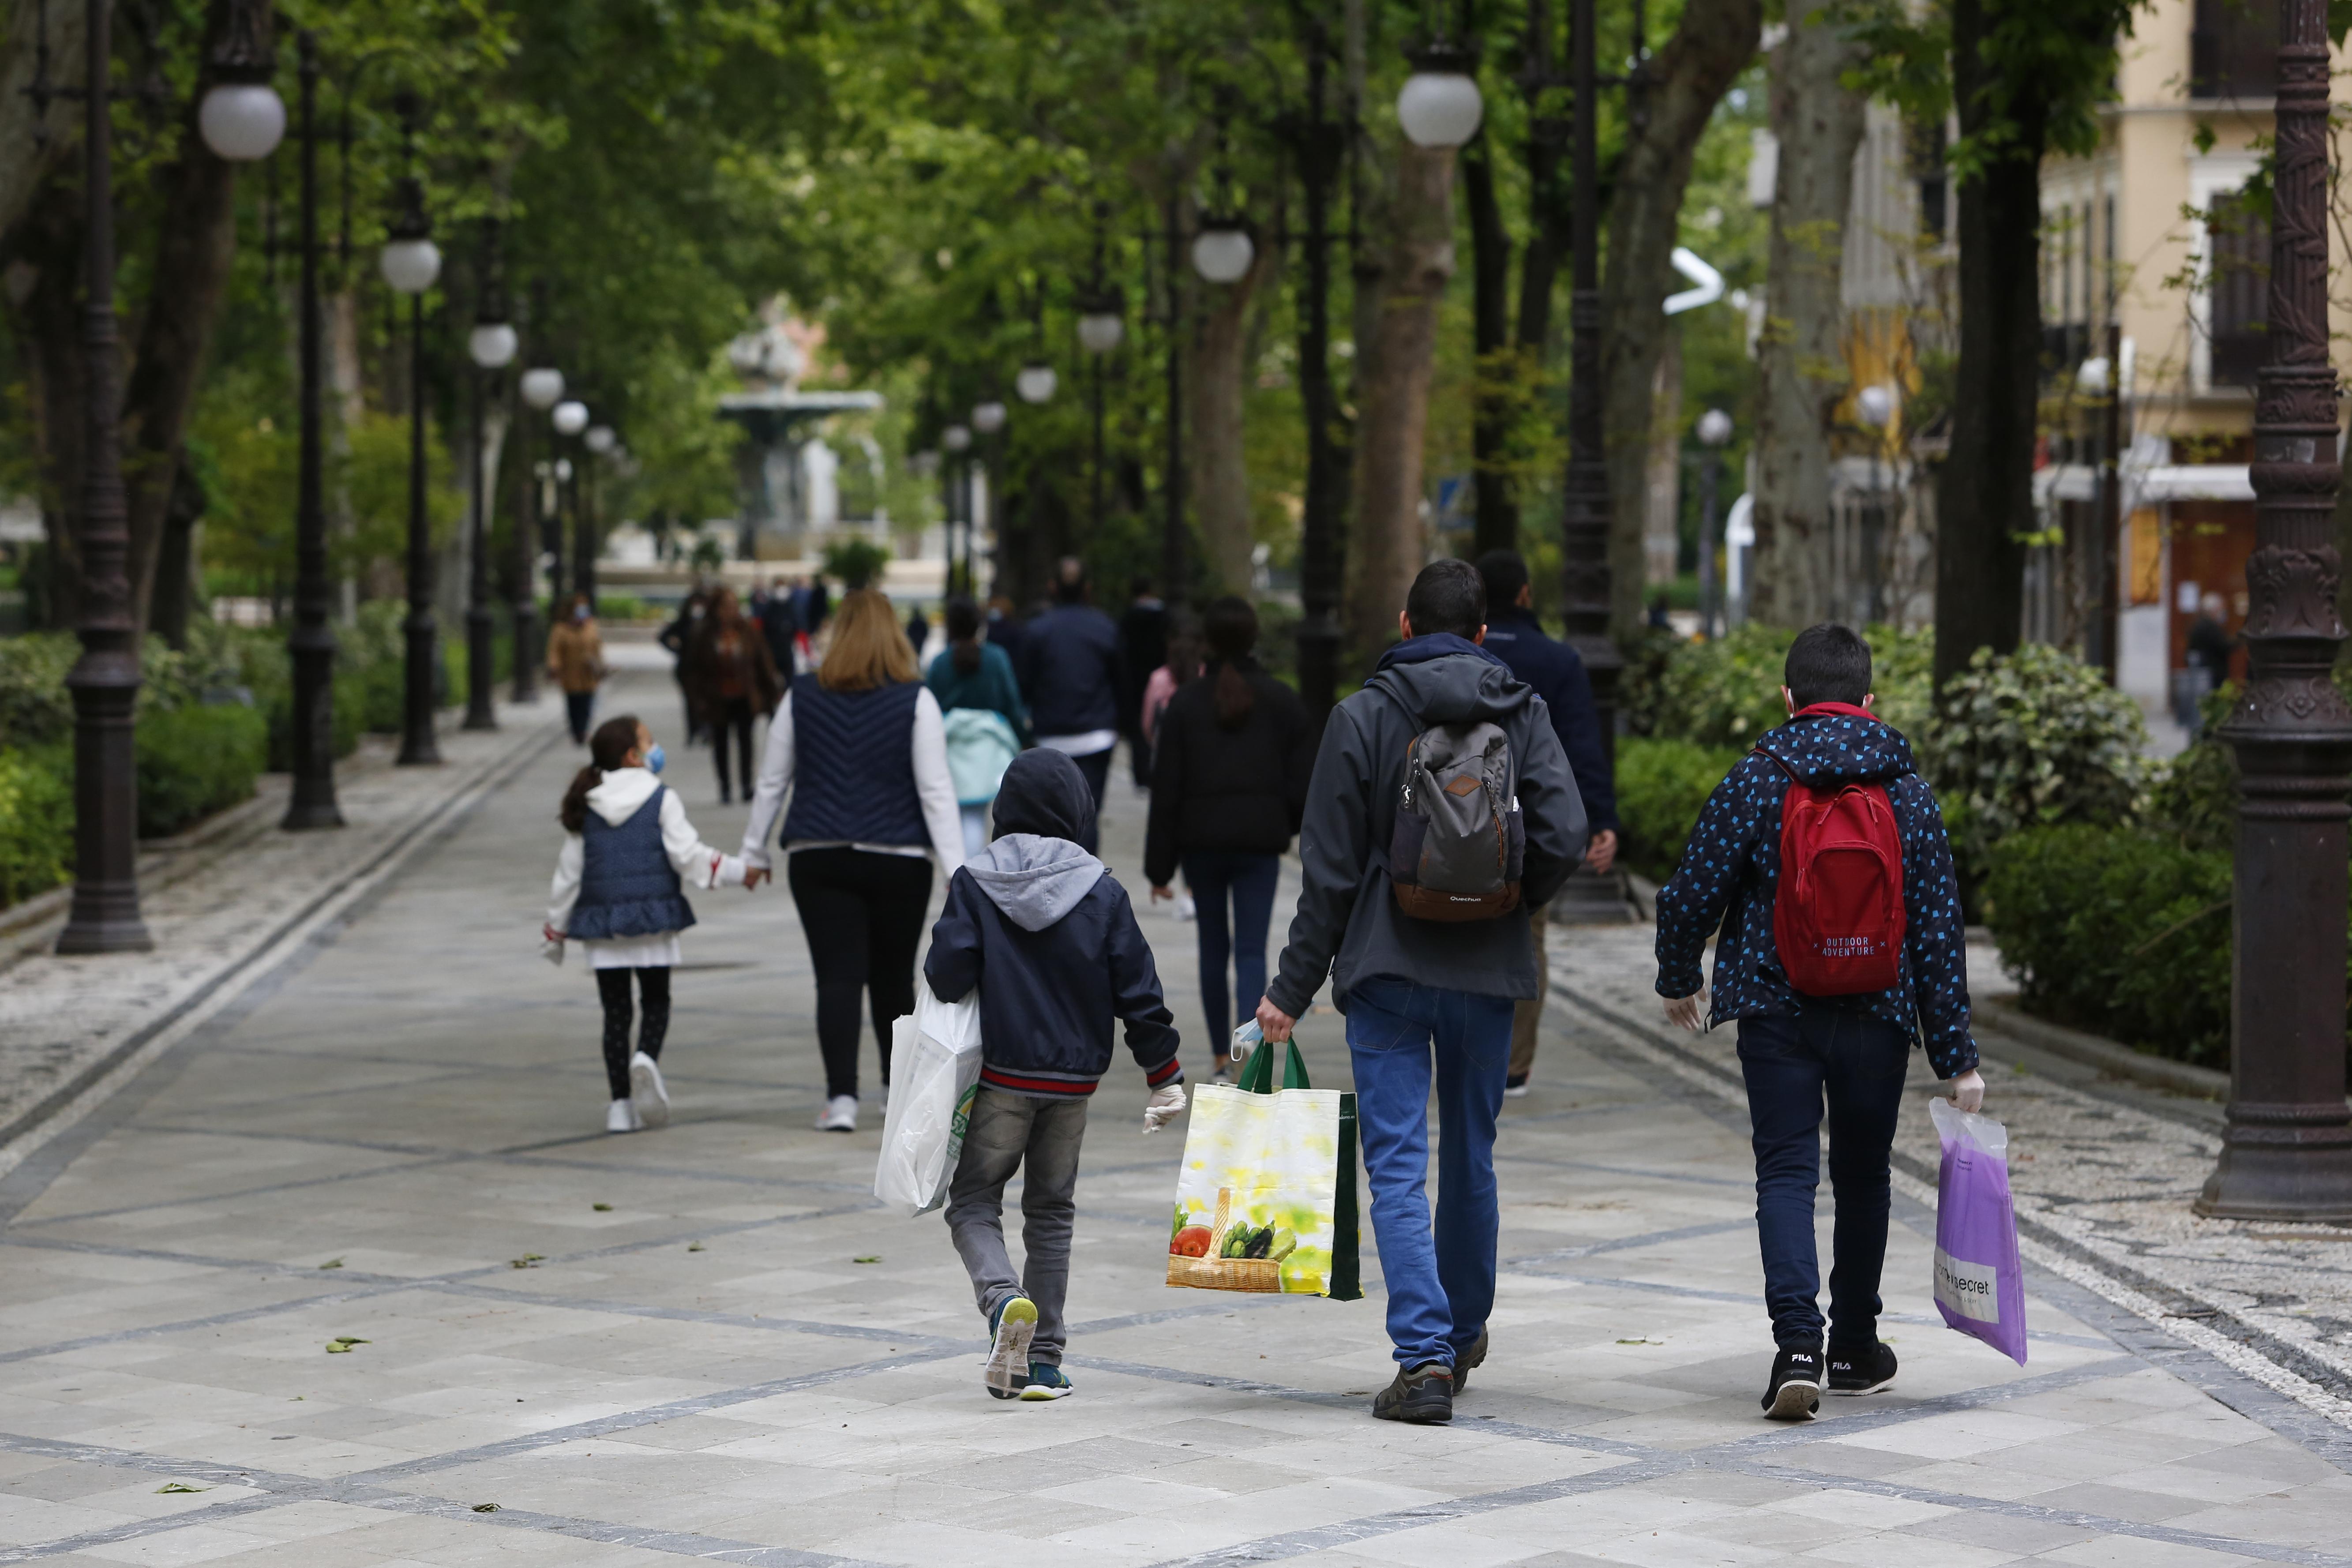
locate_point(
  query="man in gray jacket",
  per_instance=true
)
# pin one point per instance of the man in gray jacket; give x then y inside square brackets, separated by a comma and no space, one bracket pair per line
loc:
[1424,999]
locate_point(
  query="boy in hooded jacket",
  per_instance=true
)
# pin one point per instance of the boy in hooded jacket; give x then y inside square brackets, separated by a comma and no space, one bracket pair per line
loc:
[1048,936]
[1796,1049]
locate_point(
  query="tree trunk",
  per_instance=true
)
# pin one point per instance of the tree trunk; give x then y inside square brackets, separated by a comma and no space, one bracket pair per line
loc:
[44,262]
[174,598]
[196,243]
[1801,351]
[1984,500]
[1684,80]
[29,161]
[1490,420]
[1397,298]
[1216,381]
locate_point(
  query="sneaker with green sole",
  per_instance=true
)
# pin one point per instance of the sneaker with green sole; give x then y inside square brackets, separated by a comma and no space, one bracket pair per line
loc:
[1010,1328]
[1046,1381]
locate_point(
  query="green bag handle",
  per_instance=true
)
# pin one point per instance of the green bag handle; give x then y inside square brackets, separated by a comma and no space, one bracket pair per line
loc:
[1257,1072]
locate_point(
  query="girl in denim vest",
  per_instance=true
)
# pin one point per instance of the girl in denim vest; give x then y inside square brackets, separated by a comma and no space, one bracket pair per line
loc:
[619,890]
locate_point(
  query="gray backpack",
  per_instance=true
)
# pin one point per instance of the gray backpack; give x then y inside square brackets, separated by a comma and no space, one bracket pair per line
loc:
[1458,843]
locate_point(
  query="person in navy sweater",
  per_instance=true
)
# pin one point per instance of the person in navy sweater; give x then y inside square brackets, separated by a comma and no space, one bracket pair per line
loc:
[1049,938]
[1556,672]
[1072,672]
[1795,1048]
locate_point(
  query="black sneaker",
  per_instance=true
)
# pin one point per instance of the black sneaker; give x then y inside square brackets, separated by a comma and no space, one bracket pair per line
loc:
[1465,1361]
[1795,1391]
[1423,1395]
[1864,1369]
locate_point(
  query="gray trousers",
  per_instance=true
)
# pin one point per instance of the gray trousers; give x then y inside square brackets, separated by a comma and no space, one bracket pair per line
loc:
[1039,1138]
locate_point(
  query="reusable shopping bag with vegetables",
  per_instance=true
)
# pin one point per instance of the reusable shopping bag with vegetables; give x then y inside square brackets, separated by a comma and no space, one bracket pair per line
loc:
[1266,1197]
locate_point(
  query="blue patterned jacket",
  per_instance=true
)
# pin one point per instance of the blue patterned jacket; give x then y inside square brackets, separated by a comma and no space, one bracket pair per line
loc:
[1732,866]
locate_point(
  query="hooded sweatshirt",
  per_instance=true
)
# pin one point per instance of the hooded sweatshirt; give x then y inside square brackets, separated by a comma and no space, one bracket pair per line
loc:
[1050,939]
[1731,870]
[1347,924]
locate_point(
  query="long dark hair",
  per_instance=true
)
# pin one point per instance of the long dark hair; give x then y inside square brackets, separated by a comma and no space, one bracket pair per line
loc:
[608,749]
[1231,627]
[963,633]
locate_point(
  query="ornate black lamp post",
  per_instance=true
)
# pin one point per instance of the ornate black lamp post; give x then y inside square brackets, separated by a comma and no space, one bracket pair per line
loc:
[571,418]
[601,442]
[542,389]
[491,346]
[2286,1149]
[1713,432]
[1102,326]
[1584,525]
[1321,145]
[410,264]
[957,440]
[988,417]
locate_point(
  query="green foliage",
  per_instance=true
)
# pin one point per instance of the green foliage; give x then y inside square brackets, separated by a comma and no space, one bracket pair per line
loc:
[854,562]
[1727,692]
[1661,784]
[2119,931]
[37,820]
[2194,797]
[2033,737]
[195,761]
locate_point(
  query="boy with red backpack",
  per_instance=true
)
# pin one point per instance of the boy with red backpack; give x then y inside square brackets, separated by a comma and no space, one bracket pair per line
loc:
[1823,859]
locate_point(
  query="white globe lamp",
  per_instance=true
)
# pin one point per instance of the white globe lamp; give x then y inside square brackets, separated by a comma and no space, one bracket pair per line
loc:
[1035,383]
[1099,331]
[242,121]
[988,417]
[601,439]
[1440,105]
[1714,427]
[956,439]
[542,385]
[1223,250]
[410,263]
[1876,405]
[492,344]
[571,418]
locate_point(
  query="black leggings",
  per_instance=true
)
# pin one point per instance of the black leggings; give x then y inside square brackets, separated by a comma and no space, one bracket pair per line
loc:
[733,715]
[862,914]
[613,990]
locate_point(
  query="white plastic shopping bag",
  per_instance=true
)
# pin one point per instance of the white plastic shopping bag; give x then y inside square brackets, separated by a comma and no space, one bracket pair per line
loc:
[1979,1287]
[934,1070]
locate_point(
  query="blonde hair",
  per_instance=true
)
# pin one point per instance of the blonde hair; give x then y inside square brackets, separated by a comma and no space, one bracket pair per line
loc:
[869,649]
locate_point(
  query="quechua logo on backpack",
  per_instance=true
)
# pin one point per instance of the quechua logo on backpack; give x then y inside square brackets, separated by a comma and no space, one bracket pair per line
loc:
[1837,915]
[1458,843]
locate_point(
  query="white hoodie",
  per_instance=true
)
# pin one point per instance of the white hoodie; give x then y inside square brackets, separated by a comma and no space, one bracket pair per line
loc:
[617,800]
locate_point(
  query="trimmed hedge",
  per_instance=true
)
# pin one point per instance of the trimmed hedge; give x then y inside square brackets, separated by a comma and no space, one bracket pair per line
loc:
[1661,784]
[193,761]
[37,821]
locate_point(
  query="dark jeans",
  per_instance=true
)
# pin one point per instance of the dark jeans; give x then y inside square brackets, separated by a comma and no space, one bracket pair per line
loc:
[1399,1036]
[1790,1064]
[862,914]
[733,717]
[1249,878]
[1040,1139]
[613,990]
[578,707]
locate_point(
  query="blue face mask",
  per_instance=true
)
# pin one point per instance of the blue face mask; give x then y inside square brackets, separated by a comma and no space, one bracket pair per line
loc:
[653,759]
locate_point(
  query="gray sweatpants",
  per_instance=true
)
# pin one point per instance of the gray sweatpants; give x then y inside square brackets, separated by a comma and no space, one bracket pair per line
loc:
[1040,1139]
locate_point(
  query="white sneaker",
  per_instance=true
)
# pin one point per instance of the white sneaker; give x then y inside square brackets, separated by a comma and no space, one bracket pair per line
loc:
[839,1115]
[648,1096]
[622,1117]
[1185,908]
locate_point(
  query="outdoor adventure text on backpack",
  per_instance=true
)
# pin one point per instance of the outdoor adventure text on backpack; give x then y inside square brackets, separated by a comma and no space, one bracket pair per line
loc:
[1458,843]
[1837,918]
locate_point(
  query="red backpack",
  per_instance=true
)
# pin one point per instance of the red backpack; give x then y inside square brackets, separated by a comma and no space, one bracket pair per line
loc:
[1838,917]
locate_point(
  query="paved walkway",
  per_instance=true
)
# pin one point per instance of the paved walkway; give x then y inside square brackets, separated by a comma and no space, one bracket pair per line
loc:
[707,1342]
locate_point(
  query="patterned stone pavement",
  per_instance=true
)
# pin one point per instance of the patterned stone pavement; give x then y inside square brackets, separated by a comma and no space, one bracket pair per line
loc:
[708,1343]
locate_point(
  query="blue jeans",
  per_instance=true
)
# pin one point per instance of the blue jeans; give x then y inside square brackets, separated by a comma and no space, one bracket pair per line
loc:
[1790,1064]
[1249,876]
[1441,1287]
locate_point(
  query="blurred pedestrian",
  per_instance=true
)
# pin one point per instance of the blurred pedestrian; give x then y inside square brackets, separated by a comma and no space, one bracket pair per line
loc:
[1143,641]
[918,630]
[2210,648]
[779,628]
[1071,672]
[1185,654]
[973,677]
[731,679]
[861,746]
[1004,626]
[576,662]
[1231,756]
[674,638]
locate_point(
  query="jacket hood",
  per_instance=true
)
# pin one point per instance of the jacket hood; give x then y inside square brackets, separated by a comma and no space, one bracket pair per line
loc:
[624,791]
[1834,743]
[1034,880]
[1445,679]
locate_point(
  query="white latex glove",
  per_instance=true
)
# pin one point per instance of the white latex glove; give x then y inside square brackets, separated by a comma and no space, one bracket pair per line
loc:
[1167,1104]
[1967,1090]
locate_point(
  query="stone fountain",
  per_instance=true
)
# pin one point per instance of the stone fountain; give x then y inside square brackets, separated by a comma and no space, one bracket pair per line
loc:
[783,471]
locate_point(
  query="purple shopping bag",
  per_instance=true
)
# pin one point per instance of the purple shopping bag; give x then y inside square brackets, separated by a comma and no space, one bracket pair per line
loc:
[1979,1288]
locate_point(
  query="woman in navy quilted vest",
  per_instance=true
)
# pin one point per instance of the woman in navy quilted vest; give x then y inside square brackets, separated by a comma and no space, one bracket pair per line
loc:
[619,891]
[862,747]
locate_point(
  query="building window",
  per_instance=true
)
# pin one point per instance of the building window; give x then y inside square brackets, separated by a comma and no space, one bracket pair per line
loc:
[2237,284]
[2234,49]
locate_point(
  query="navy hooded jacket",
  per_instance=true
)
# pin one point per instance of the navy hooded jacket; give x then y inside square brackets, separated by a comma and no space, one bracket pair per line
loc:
[1731,870]
[1555,671]
[1049,937]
